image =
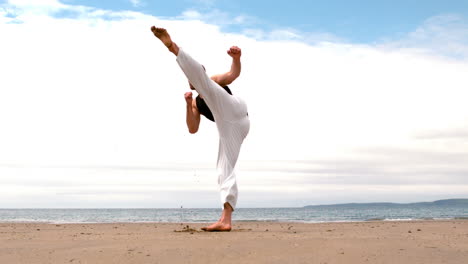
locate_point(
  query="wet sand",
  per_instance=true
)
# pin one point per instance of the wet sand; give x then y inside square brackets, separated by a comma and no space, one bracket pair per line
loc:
[249,242]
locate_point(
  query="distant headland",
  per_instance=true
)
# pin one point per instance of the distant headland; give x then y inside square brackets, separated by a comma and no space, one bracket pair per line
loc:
[446,202]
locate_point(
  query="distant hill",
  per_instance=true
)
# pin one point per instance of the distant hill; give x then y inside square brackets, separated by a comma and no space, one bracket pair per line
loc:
[447,202]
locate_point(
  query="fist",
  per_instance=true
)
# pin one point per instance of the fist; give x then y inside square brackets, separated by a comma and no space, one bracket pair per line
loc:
[234,52]
[188,97]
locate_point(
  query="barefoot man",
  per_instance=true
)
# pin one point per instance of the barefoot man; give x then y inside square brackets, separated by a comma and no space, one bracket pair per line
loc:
[228,112]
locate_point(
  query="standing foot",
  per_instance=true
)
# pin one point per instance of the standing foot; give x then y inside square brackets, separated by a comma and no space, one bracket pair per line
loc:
[218,227]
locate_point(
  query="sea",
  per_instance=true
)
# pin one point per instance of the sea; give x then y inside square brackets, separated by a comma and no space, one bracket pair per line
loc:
[316,214]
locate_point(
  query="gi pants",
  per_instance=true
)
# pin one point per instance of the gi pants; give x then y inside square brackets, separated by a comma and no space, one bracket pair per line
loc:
[232,121]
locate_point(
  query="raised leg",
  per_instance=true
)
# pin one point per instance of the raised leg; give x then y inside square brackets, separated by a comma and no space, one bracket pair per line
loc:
[161,34]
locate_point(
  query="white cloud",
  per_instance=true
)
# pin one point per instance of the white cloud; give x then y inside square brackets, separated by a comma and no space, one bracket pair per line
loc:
[35,8]
[289,34]
[444,134]
[217,17]
[91,105]
[136,3]
[284,35]
[191,14]
[206,3]
[30,4]
[251,27]
[443,35]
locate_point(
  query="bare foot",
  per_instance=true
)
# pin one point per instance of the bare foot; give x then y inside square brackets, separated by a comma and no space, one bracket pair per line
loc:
[218,227]
[161,33]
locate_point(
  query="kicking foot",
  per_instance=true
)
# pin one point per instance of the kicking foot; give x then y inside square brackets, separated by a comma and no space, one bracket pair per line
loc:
[161,34]
[217,227]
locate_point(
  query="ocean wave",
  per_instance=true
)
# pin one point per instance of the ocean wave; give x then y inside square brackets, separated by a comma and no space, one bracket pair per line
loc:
[376,219]
[293,215]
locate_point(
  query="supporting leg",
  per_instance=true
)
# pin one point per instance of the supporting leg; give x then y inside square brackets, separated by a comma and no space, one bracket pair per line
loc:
[224,223]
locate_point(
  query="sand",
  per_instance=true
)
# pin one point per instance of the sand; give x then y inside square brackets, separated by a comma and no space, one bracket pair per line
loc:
[249,242]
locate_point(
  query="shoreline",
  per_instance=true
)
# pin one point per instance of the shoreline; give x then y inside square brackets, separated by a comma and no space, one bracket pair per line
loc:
[424,241]
[248,221]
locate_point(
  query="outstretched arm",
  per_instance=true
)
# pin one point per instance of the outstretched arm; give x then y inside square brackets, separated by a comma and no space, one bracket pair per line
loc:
[193,116]
[230,76]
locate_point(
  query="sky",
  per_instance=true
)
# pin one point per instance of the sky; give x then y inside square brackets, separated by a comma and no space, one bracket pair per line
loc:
[349,101]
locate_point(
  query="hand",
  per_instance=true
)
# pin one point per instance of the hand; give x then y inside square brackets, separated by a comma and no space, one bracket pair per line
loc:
[234,52]
[188,97]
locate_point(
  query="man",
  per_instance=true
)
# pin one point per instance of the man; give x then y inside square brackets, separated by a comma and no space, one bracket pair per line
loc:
[227,111]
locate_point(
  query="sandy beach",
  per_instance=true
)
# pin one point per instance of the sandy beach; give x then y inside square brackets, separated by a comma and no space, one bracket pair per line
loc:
[249,242]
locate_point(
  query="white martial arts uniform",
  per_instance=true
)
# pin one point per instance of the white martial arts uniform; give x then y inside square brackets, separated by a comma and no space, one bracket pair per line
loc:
[232,121]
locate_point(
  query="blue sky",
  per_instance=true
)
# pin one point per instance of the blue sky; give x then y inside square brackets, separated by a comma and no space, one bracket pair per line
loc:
[349,102]
[354,21]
